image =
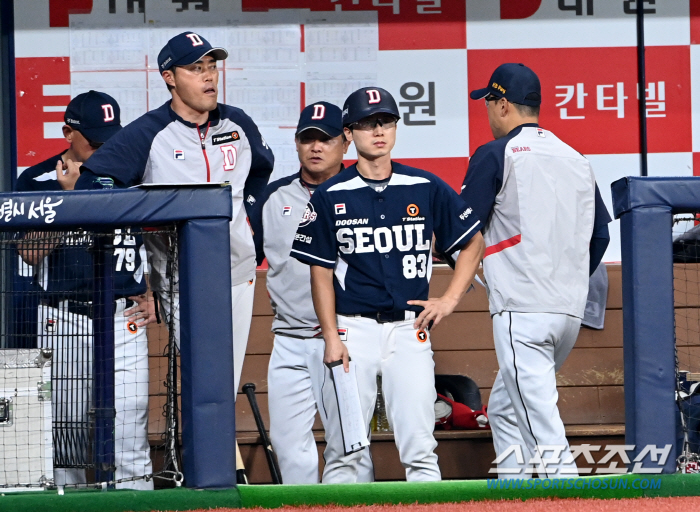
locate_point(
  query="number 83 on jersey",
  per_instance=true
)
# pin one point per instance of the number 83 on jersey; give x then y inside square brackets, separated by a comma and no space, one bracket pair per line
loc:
[404,238]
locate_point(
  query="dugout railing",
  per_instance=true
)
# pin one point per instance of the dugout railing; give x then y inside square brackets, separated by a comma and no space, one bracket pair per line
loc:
[646,207]
[201,216]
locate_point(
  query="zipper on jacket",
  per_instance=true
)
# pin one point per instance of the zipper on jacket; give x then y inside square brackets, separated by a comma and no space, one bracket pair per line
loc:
[202,138]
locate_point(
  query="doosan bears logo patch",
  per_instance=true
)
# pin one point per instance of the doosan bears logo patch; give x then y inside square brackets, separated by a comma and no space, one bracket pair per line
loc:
[308,217]
[224,137]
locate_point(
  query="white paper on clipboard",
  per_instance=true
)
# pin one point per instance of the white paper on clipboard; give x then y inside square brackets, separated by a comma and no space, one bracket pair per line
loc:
[352,421]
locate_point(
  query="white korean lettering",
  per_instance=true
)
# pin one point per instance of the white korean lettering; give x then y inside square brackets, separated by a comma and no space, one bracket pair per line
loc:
[658,455]
[656,99]
[613,450]
[394,4]
[429,7]
[570,92]
[618,99]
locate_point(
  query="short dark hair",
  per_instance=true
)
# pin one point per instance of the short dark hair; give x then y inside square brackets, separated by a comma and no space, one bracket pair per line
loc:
[527,110]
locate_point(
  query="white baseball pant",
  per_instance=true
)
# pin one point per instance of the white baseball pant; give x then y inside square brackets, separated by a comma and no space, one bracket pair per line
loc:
[294,380]
[242,296]
[395,351]
[67,333]
[531,347]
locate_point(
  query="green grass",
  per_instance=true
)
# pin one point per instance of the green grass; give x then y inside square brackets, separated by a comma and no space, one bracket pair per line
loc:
[272,496]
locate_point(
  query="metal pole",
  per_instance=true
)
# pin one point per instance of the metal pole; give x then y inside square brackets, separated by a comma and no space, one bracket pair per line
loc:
[103,359]
[641,88]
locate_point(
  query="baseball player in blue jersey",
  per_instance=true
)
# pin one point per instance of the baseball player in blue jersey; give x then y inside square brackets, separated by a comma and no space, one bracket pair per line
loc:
[63,272]
[295,373]
[367,234]
[545,227]
[194,139]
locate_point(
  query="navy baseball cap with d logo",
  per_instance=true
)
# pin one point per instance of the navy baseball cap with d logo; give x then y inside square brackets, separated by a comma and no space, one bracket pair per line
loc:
[187,48]
[322,116]
[515,82]
[367,101]
[94,114]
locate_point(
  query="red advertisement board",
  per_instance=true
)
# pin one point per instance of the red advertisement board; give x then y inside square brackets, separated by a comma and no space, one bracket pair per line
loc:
[589,96]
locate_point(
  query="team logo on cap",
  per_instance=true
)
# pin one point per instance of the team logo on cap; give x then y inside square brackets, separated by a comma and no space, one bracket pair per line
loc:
[422,336]
[319,112]
[309,216]
[178,154]
[109,112]
[374,96]
[286,210]
[340,209]
[196,40]
[412,210]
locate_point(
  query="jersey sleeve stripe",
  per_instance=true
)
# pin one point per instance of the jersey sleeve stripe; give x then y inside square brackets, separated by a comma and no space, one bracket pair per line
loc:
[314,257]
[510,242]
[460,238]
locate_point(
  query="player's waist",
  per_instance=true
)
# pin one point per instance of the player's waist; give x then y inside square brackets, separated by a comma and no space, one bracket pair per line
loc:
[384,317]
[84,308]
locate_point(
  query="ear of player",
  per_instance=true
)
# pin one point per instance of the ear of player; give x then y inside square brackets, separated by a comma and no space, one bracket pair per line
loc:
[368,101]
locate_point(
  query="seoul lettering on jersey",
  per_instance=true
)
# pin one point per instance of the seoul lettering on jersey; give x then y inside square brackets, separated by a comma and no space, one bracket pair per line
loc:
[379,243]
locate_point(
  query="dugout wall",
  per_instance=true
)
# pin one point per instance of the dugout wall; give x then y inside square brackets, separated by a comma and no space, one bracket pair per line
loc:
[202,216]
[645,207]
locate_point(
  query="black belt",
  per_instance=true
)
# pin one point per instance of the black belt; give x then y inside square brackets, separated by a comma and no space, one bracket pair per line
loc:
[384,317]
[83,308]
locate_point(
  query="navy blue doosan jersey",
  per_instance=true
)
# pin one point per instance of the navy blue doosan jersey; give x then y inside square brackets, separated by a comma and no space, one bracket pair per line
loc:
[380,243]
[67,271]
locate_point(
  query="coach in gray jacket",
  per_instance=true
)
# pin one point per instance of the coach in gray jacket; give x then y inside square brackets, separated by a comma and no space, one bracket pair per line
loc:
[296,365]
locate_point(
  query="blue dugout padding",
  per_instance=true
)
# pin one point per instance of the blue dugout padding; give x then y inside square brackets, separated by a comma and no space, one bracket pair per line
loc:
[645,207]
[202,216]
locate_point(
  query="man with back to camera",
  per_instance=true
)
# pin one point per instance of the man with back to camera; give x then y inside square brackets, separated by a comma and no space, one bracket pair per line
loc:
[367,234]
[62,271]
[295,372]
[546,230]
[194,139]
